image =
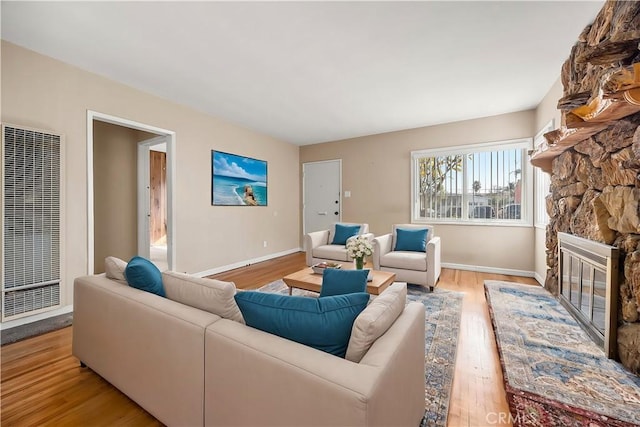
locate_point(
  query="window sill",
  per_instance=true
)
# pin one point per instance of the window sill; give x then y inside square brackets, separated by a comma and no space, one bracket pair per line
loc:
[519,224]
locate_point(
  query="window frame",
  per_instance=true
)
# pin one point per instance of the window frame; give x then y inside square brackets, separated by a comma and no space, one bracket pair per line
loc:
[527,203]
[542,182]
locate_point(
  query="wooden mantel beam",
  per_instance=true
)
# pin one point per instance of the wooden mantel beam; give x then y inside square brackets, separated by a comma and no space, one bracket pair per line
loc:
[618,97]
[558,141]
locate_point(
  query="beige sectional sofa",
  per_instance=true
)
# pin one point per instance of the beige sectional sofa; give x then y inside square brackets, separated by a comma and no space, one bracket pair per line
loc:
[189,367]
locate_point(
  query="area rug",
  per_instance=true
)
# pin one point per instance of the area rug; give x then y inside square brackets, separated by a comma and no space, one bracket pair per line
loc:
[28,330]
[554,374]
[442,327]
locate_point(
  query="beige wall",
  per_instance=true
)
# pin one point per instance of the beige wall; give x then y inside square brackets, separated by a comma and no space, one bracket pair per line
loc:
[547,110]
[548,107]
[377,171]
[44,93]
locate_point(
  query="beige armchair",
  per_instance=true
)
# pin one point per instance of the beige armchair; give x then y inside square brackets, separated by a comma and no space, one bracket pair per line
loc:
[319,248]
[420,268]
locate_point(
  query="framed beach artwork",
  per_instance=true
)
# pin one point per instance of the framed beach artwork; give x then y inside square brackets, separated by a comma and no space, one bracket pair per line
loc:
[237,180]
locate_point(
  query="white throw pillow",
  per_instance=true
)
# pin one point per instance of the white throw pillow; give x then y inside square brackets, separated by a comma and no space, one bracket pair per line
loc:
[114,269]
[375,320]
[210,295]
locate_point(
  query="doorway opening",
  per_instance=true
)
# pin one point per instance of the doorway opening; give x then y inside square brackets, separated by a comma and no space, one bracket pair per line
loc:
[117,223]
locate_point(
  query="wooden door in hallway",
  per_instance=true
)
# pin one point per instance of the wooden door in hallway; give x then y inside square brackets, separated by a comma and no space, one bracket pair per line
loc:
[158,197]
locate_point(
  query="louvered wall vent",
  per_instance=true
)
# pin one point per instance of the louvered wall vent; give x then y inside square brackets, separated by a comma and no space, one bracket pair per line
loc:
[31,217]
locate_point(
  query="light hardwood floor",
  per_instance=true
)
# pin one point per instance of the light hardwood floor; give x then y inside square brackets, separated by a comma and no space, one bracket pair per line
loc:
[42,383]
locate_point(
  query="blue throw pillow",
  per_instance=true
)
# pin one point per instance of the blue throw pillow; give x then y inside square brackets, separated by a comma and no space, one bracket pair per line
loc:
[339,282]
[343,232]
[144,275]
[321,323]
[411,240]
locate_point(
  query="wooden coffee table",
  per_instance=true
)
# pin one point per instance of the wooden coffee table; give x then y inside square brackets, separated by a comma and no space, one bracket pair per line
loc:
[308,280]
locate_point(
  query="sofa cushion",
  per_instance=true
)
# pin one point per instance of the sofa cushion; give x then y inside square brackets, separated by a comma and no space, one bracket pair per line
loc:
[429,228]
[338,282]
[343,232]
[114,269]
[214,296]
[411,240]
[364,228]
[405,260]
[322,323]
[334,252]
[144,275]
[375,320]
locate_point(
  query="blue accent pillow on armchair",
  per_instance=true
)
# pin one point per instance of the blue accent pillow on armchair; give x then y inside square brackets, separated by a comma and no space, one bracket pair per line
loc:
[339,282]
[144,275]
[414,240]
[343,232]
[321,323]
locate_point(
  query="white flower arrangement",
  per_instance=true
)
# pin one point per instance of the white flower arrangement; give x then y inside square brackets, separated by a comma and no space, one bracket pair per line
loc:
[359,247]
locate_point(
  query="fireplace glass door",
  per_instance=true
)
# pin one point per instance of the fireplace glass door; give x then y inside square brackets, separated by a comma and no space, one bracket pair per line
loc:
[584,286]
[587,281]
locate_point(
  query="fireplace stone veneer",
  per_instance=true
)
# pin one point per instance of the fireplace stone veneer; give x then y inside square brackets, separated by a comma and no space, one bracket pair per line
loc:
[589,201]
[594,159]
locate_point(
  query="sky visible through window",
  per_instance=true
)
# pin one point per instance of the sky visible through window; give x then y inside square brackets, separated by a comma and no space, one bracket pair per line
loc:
[487,172]
[494,170]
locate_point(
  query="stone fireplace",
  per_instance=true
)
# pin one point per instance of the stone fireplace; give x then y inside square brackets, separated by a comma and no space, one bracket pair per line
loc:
[594,160]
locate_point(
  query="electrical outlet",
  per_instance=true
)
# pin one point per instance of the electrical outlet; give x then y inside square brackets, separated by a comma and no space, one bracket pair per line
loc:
[264,244]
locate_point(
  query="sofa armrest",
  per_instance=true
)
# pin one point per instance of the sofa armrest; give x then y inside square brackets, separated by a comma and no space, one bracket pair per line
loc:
[433,261]
[381,246]
[149,347]
[313,240]
[313,387]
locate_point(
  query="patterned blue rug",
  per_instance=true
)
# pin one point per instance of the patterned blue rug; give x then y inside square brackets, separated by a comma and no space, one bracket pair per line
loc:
[442,326]
[554,374]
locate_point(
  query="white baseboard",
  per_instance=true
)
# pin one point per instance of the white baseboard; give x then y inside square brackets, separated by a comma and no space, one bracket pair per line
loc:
[40,316]
[245,263]
[539,278]
[482,269]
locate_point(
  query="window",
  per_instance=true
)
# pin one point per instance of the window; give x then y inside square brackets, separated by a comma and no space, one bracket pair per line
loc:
[543,181]
[481,183]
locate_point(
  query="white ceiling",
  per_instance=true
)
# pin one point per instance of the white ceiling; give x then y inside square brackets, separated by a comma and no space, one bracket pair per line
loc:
[308,72]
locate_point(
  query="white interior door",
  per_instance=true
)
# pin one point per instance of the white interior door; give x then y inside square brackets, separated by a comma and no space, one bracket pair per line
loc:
[322,188]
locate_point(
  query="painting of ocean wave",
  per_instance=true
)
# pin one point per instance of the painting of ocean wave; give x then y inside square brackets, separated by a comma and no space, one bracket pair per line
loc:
[238,180]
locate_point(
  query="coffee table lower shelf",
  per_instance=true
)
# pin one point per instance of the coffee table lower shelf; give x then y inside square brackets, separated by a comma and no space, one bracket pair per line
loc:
[308,280]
